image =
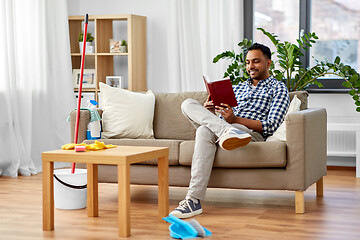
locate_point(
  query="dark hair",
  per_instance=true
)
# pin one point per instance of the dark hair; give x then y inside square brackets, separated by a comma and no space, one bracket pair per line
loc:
[264,49]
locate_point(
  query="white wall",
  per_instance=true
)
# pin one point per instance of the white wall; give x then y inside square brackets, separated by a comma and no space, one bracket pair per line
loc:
[156,13]
[337,105]
[340,108]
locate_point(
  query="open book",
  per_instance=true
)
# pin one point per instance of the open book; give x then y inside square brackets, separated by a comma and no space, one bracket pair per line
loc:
[220,91]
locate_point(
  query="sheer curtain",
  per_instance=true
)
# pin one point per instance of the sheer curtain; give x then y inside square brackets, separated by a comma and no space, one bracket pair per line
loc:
[197,32]
[36,91]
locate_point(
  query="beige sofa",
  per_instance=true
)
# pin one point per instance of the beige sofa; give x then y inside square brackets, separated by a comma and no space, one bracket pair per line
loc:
[292,165]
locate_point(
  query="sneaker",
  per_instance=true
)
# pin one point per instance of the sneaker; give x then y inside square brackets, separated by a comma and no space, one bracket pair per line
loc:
[187,208]
[234,138]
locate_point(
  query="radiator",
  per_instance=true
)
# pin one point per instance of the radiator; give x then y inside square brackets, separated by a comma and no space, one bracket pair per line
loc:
[341,143]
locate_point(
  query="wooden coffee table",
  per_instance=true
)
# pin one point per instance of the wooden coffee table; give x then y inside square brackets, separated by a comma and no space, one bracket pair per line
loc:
[122,156]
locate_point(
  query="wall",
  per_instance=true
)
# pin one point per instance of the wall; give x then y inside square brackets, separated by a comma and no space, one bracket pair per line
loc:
[337,105]
[156,13]
[340,108]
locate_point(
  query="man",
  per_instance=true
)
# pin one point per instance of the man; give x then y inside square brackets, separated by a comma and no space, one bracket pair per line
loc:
[262,105]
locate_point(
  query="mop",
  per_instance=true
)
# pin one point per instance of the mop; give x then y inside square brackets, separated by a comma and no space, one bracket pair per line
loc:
[80,89]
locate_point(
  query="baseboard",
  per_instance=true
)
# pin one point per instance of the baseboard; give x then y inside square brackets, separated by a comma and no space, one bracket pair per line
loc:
[341,168]
[341,161]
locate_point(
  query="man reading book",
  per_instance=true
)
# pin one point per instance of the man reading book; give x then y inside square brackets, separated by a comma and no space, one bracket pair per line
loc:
[262,104]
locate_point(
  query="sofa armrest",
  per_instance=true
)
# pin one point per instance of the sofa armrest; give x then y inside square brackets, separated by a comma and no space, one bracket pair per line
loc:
[84,121]
[306,140]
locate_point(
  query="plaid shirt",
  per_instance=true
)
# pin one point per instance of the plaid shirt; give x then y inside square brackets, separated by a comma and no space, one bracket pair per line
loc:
[267,102]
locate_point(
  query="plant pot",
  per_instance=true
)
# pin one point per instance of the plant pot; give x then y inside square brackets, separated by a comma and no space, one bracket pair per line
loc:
[123,49]
[88,49]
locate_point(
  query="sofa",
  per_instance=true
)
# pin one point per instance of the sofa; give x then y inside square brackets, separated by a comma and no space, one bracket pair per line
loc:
[293,165]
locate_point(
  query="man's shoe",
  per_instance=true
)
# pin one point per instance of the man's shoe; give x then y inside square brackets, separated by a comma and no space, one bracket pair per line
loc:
[187,208]
[234,138]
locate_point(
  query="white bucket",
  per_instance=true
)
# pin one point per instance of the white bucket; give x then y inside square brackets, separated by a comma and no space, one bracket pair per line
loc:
[70,190]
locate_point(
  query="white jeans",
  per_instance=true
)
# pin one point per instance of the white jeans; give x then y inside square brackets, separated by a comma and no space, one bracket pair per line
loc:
[209,129]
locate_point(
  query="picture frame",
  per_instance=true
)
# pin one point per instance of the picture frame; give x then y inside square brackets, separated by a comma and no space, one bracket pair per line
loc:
[114,46]
[114,81]
[89,79]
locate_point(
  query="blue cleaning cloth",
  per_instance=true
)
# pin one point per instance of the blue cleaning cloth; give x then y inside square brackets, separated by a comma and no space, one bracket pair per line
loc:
[181,229]
[93,114]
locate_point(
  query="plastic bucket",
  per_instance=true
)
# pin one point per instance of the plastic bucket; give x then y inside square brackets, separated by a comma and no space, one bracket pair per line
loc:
[70,190]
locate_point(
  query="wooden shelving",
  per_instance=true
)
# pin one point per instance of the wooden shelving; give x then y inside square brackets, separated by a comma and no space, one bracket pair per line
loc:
[102,60]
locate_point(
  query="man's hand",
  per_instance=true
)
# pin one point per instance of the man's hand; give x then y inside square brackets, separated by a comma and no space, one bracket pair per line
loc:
[226,112]
[209,105]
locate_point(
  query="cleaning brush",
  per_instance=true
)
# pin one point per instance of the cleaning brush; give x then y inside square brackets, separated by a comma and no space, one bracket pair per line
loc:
[200,229]
[185,230]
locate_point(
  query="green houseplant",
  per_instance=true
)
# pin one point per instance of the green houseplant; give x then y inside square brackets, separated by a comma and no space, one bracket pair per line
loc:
[290,69]
[89,38]
[123,46]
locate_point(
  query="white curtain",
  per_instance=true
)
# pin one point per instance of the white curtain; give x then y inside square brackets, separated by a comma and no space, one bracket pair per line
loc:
[198,30]
[36,91]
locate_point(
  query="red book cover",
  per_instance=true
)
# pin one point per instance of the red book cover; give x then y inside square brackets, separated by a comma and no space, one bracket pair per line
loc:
[221,91]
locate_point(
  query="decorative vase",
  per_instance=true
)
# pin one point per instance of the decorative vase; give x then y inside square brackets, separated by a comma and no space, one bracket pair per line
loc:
[123,49]
[88,48]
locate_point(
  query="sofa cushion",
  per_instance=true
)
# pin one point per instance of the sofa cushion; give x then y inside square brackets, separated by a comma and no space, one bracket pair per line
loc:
[169,122]
[126,114]
[254,155]
[168,114]
[280,133]
[173,146]
[302,96]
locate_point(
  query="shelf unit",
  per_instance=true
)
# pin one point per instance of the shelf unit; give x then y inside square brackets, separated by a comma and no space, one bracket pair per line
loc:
[102,60]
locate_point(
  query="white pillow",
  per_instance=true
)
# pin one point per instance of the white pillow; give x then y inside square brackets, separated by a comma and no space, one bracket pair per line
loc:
[126,114]
[280,133]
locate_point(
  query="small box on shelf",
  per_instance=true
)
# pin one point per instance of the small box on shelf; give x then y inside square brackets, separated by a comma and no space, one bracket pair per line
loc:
[85,97]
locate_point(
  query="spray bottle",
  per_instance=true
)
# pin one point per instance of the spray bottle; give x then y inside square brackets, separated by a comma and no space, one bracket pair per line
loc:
[93,129]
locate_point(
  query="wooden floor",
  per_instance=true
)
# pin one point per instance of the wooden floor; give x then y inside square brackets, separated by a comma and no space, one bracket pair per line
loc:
[229,214]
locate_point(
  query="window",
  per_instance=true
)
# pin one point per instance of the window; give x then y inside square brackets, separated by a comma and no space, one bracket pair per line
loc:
[338,28]
[336,22]
[276,16]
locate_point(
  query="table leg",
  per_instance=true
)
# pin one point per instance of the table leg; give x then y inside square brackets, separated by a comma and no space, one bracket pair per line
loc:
[163,185]
[48,195]
[124,199]
[92,190]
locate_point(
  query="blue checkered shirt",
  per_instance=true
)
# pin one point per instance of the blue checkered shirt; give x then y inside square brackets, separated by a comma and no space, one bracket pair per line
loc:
[267,102]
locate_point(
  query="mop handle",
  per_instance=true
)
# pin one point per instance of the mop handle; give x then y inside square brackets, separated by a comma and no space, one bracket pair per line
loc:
[80,88]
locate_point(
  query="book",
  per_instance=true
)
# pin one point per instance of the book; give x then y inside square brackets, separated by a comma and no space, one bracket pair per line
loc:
[220,91]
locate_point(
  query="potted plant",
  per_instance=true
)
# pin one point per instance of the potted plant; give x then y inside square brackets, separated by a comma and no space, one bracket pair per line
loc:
[290,70]
[123,46]
[89,39]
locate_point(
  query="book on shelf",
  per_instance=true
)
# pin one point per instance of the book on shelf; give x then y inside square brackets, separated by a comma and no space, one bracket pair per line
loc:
[220,91]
